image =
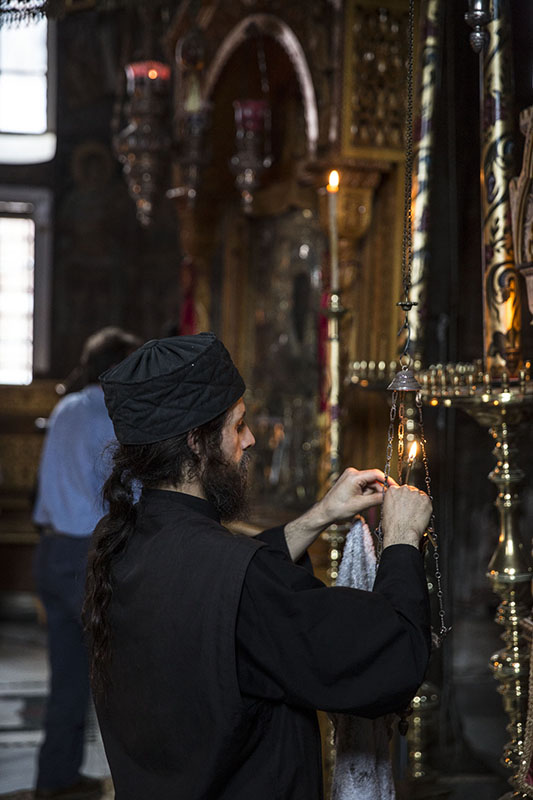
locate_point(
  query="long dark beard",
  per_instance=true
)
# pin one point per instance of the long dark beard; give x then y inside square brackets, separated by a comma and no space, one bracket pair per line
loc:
[226,485]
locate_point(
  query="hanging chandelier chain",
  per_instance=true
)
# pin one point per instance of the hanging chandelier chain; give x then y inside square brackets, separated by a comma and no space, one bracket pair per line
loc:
[401,434]
[390,434]
[407,254]
[386,471]
[432,533]
[405,380]
[406,303]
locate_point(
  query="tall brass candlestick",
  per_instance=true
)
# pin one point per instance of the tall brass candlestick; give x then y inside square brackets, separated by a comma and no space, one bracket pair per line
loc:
[505,410]
[332,189]
[334,534]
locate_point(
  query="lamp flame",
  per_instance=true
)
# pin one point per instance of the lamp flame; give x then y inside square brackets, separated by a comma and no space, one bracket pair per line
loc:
[410,461]
[333,181]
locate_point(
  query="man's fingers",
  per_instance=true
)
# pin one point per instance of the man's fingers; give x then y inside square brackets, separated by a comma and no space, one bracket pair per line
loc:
[370,476]
[370,500]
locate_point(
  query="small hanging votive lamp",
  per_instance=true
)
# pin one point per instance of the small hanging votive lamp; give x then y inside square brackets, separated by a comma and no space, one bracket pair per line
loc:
[250,160]
[143,145]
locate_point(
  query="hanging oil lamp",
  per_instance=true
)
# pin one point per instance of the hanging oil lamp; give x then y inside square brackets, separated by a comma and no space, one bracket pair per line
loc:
[143,144]
[405,384]
[253,132]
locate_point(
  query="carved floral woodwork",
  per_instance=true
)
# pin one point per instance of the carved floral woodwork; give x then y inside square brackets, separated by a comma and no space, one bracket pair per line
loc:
[502,313]
[521,193]
[303,30]
[354,201]
[21,441]
[374,79]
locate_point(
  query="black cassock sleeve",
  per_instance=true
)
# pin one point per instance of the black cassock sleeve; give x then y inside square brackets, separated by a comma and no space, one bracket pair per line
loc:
[336,649]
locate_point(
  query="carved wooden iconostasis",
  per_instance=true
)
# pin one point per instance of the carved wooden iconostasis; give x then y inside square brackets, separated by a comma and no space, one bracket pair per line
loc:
[20,447]
[261,275]
[257,279]
[259,272]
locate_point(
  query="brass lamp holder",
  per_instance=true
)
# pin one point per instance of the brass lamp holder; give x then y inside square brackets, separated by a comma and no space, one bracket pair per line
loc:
[336,533]
[504,406]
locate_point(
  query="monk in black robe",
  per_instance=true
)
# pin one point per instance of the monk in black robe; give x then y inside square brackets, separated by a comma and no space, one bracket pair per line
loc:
[212,651]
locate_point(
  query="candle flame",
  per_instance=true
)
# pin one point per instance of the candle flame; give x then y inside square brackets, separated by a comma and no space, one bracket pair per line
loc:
[412,453]
[333,181]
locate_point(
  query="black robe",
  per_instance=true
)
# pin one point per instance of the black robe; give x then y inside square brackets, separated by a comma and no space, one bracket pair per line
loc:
[223,649]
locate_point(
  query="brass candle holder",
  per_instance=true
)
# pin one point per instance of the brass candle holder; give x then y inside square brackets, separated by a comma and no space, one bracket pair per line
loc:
[504,407]
[336,533]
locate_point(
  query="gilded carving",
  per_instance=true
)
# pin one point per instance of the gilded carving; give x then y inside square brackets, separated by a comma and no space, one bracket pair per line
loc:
[521,192]
[301,28]
[375,78]
[501,288]
[21,442]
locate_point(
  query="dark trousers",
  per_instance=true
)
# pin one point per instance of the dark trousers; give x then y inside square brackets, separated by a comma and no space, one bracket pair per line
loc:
[60,566]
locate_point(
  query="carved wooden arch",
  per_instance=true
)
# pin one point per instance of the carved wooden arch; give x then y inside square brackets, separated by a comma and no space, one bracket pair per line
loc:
[271,25]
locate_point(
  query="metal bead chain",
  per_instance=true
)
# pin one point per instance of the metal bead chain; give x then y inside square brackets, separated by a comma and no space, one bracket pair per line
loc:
[386,471]
[444,629]
[390,434]
[401,431]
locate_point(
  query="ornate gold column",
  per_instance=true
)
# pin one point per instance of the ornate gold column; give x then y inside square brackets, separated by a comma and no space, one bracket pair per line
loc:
[423,162]
[501,296]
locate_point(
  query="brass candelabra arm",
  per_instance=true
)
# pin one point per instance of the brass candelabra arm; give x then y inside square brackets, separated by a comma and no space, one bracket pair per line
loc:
[504,406]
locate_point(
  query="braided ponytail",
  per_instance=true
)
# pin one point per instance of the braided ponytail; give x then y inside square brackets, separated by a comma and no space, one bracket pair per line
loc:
[109,539]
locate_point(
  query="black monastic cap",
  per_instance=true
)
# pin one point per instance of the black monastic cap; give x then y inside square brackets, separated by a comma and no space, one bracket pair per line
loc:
[170,386]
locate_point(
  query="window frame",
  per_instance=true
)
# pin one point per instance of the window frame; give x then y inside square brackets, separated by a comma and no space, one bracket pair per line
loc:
[40,201]
[37,148]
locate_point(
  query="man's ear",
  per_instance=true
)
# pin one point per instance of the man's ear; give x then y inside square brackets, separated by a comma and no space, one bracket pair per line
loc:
[192,441]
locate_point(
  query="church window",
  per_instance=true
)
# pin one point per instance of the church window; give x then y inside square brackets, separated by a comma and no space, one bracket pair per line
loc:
[27,96]
[24,283]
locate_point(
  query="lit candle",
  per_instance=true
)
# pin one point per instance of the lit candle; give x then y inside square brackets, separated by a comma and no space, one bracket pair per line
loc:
[332,189]
[410,461]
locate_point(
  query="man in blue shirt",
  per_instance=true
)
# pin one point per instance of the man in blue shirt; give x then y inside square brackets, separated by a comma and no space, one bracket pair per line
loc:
[72,471]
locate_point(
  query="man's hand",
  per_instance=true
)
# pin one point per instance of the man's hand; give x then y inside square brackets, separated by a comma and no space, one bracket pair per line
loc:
[355,491]
[406,515]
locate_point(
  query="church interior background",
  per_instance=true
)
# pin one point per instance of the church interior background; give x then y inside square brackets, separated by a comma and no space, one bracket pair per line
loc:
[177,183]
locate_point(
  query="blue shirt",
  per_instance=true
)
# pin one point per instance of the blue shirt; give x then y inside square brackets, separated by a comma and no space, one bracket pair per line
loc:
[75,463]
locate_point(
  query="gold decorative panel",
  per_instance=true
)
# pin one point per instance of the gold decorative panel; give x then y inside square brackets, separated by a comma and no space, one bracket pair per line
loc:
[375,74]
[21,440]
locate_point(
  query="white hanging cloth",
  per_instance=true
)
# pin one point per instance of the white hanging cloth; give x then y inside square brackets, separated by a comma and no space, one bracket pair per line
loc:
[363,769]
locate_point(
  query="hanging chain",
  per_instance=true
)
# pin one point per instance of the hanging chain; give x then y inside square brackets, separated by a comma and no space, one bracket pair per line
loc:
[407,244]
[431,532]
[390,435]
[386,471]
[401,432]
[407,254]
